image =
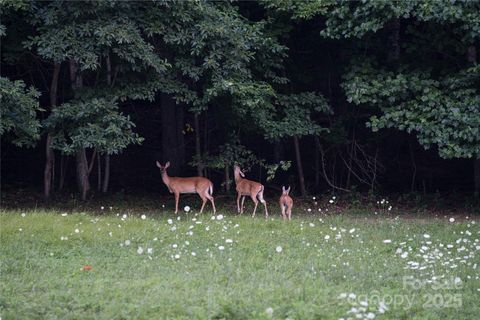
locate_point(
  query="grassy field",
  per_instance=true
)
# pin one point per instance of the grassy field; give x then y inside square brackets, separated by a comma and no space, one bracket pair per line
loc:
[119,265]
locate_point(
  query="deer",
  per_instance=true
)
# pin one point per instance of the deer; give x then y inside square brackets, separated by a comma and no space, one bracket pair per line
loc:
[286,203]
[177,185]
[250,188]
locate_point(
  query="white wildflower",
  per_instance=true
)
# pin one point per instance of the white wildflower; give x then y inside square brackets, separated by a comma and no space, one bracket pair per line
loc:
[269,311]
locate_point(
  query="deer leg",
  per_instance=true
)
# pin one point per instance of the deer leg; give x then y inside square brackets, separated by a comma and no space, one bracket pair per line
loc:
[238,203]
[209,197]
[243,203]
[260,197]
[177,198]
[282,207]
[254,199]
[289,212]
[204,200]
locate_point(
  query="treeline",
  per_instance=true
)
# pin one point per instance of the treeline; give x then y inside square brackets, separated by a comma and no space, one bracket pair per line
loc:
[328,94]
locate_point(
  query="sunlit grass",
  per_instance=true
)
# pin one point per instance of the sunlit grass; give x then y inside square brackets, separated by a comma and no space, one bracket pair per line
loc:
[163,266]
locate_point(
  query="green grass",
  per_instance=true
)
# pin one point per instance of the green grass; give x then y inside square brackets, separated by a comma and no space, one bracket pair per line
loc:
[322,258]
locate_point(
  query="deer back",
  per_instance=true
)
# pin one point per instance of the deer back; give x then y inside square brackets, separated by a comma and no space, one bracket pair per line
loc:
[189,184]
[286,200]
[245,186]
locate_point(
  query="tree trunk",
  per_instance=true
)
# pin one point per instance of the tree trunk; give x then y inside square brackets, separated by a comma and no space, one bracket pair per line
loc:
[47,173]
[106,174]
[63,172]
[173,148]
[472,59]
[205,140]
[476,168]
[99,172]
[298,158]
[49,154]
[198,149]
[227,180]
[317,162]
[81,155]
[82,173]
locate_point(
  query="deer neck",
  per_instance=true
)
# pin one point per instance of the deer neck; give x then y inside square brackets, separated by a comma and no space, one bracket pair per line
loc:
[238,178]
[165,178]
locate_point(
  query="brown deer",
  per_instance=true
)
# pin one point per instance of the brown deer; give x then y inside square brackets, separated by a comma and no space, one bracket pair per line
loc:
[286,203]
[250,188]
[176,185]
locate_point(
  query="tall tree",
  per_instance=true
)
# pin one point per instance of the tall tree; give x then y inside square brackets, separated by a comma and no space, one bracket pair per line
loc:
[81,36]
[439,102]
[18,119]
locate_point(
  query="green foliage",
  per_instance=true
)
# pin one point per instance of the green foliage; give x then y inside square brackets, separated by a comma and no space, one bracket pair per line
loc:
[94,123]
[444,112]
[234,153]
[19,106]
[68,30]
[295,111]
[347,19]
[215,52]
[9,6]
[230,153]
[441,107]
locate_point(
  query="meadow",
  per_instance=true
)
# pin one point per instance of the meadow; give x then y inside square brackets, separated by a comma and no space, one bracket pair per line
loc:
[119,264]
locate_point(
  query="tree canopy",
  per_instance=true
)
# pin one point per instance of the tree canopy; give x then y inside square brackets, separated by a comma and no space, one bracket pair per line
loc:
[246,79]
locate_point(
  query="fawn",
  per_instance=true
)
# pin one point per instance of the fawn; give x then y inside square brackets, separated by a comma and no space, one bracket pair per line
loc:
[286,203]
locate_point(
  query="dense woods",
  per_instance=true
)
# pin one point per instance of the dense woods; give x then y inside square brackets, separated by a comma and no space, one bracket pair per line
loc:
[378,96]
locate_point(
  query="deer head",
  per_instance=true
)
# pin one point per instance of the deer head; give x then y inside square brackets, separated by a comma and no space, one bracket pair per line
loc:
[163,169]
[285,192]
[238,172]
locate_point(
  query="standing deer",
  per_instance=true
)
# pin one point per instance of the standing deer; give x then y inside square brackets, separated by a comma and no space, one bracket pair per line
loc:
[176,185]
[286,204]
[250,188]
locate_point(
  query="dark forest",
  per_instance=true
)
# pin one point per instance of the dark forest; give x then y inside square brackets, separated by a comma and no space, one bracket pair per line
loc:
[324,98]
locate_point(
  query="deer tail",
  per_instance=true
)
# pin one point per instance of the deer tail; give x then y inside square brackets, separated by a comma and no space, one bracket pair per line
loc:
[210,189]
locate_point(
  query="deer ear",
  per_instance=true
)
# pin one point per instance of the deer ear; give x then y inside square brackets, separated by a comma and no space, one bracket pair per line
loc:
[159,165]
[242,174]
[288,190]
[167,164]
[283,188]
